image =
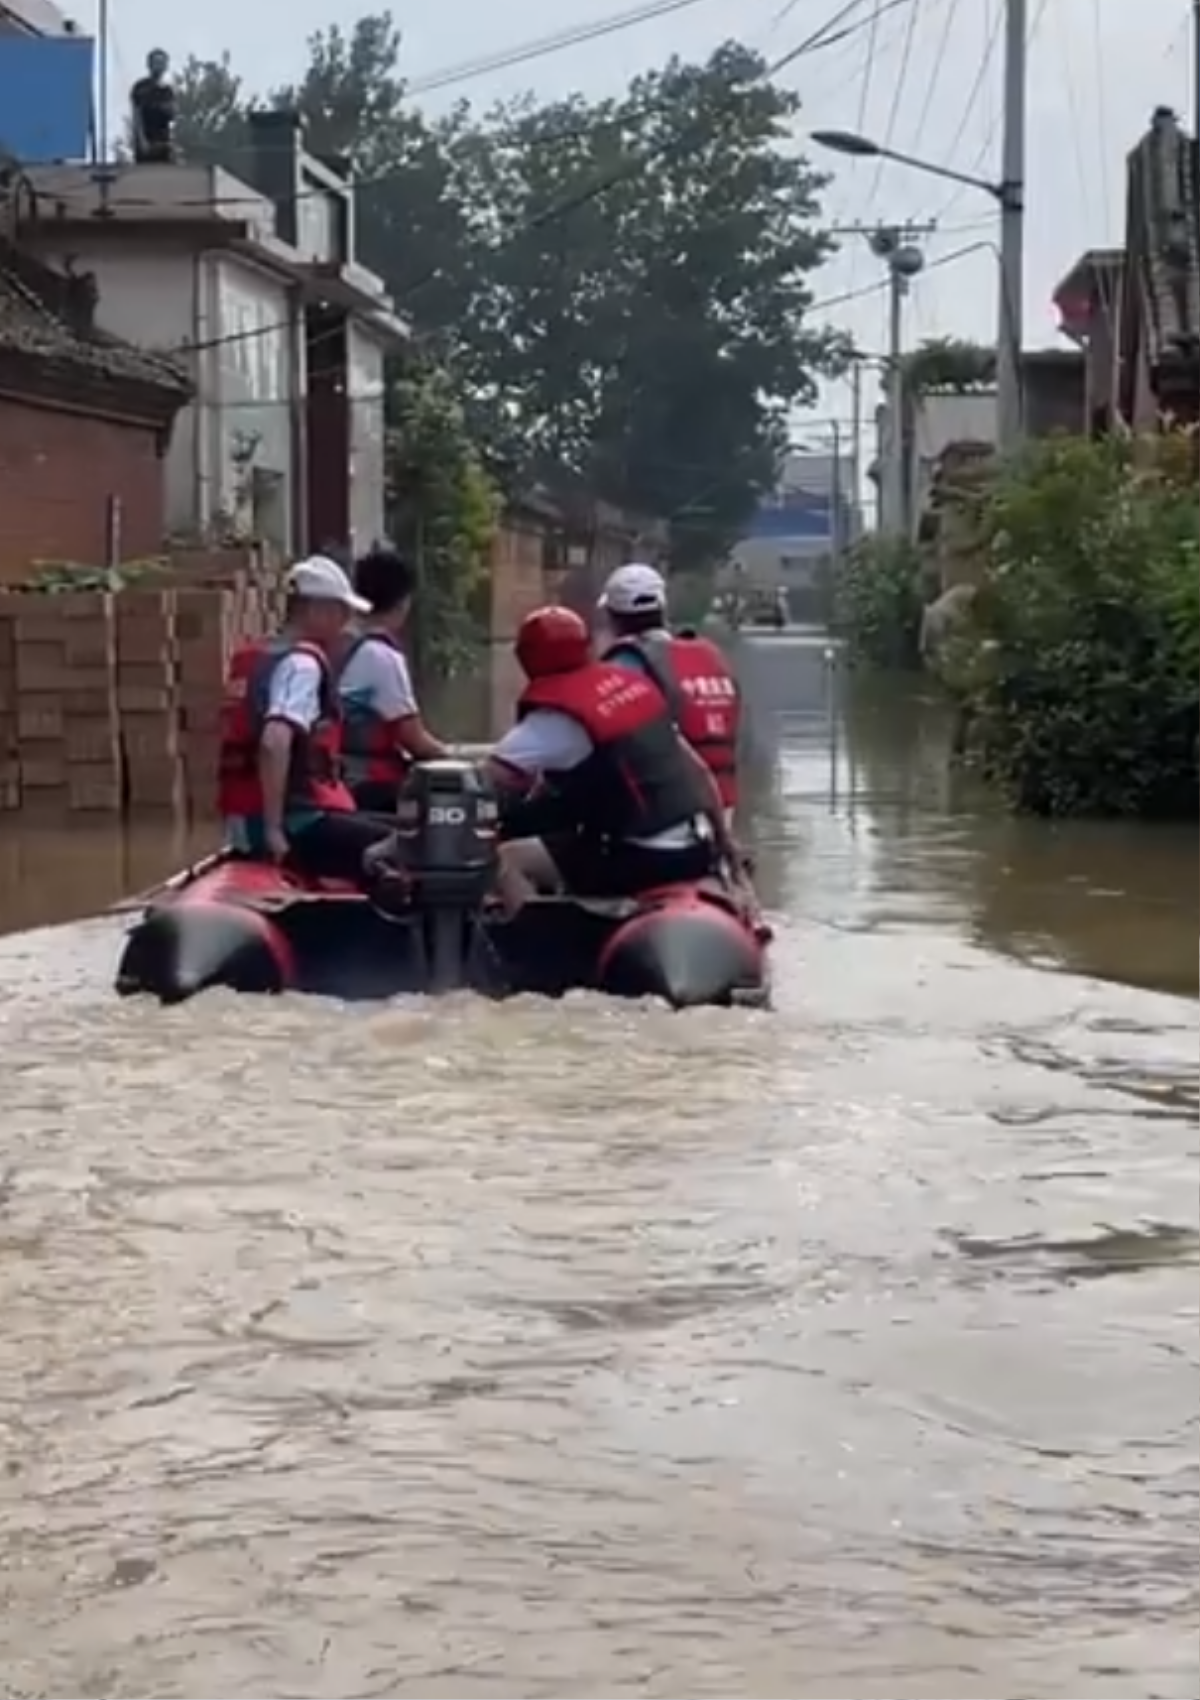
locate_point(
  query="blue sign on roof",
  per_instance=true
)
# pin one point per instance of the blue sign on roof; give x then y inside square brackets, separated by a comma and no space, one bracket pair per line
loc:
[46,98]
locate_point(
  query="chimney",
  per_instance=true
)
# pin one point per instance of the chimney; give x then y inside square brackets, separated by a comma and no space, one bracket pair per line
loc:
[276,147]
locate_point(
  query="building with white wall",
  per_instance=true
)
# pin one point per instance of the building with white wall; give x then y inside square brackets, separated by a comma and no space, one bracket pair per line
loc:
[285,342]
[794,533]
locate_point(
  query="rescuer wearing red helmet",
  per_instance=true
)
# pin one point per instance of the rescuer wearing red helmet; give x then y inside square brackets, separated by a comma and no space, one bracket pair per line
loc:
[689,669]
[622,805]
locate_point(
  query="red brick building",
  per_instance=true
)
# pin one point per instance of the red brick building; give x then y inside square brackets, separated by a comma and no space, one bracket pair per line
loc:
[85,420]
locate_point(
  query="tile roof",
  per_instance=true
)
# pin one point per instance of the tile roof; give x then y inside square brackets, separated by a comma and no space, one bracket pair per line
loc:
[48,315]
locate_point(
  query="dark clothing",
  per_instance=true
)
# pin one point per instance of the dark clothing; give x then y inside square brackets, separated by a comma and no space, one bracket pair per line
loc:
[638,780]
[154,108]
[332,845]
[591,869]
[705,699]
[375,798]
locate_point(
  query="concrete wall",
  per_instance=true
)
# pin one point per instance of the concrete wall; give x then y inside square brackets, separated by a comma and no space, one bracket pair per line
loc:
[152,295]
[254,387]
[164,293]
[938,421]
[364,376]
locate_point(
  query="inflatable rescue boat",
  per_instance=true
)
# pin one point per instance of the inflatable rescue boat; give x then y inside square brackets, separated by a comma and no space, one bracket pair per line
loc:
[430,924]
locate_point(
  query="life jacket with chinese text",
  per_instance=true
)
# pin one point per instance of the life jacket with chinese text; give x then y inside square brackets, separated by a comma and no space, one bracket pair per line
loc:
[704,696]
[638,780]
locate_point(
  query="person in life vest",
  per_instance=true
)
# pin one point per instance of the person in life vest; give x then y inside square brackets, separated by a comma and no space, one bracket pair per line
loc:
[382,730]
[690,670]
[594,776]
[280,789]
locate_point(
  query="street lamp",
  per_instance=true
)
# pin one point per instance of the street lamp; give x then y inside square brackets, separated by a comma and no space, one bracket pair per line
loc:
[1009,194]
[862,147]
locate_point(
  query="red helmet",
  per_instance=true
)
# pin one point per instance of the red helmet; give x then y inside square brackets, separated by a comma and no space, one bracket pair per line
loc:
[552,640]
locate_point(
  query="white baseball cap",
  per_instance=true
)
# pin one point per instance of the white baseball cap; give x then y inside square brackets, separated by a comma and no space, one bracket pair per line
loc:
[322,580]
[635,589]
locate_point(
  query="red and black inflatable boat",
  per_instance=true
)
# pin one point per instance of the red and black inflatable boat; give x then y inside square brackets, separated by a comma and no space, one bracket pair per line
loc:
[253,927]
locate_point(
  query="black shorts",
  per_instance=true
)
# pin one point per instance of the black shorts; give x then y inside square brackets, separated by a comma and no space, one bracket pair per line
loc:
[592,869]
[334,845]
[376,797]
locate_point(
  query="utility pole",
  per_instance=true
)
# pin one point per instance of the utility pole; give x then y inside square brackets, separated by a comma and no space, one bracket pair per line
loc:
[1196,67]
[894,244]
[1012,229]
[856,397]
[837,533]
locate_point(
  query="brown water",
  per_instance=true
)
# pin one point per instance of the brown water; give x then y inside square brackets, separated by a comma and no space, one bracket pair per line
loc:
[586,1350]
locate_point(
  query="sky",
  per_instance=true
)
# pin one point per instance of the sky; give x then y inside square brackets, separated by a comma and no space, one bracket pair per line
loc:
[926,78]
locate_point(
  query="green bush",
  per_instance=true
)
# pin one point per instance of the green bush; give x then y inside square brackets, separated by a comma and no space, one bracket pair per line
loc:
[878,602]
[442,509]
[1084,691]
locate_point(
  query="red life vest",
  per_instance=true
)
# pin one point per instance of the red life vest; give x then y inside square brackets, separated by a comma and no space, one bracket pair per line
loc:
[370,754]
[637,781]
[314,778]
[705,697]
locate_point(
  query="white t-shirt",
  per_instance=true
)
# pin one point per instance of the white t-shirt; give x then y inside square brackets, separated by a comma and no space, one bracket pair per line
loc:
[545,741]
[294,696]
[376,678]
[295,693]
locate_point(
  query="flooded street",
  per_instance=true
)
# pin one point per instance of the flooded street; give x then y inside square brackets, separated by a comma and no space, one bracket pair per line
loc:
[588,1350]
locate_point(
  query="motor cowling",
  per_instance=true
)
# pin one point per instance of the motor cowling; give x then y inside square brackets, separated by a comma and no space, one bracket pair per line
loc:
[446,843]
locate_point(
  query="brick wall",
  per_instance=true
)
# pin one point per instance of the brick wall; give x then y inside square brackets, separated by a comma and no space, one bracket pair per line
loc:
[57,471]
[109,703]
[518,575]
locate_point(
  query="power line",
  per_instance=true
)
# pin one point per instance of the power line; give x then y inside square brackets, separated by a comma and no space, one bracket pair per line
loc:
[834,29]
[883,283]
[985,148]
[981,73]
[864,97]
[863,74]
[541,47]
[897,96]
[949,14]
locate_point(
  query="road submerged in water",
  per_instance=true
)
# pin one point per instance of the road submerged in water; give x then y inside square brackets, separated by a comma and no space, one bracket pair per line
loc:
[589,1350]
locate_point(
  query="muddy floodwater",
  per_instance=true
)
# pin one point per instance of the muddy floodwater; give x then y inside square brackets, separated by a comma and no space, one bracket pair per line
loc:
[586,1350]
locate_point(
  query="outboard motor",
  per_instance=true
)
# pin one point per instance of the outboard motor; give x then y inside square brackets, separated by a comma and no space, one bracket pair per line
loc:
[446,847]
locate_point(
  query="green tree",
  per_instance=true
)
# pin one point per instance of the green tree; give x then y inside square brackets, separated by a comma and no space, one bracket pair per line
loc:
[1085,697]
[210,126]
[878,602]
[413,223]
[442,510]
[947,365]
[644,309]
[621,286]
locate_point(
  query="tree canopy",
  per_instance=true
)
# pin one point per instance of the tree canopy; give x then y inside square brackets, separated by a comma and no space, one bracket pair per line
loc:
[620,286]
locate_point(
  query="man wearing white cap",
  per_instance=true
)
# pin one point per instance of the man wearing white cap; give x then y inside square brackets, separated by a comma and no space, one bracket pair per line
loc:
[690,670]
[280,788]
